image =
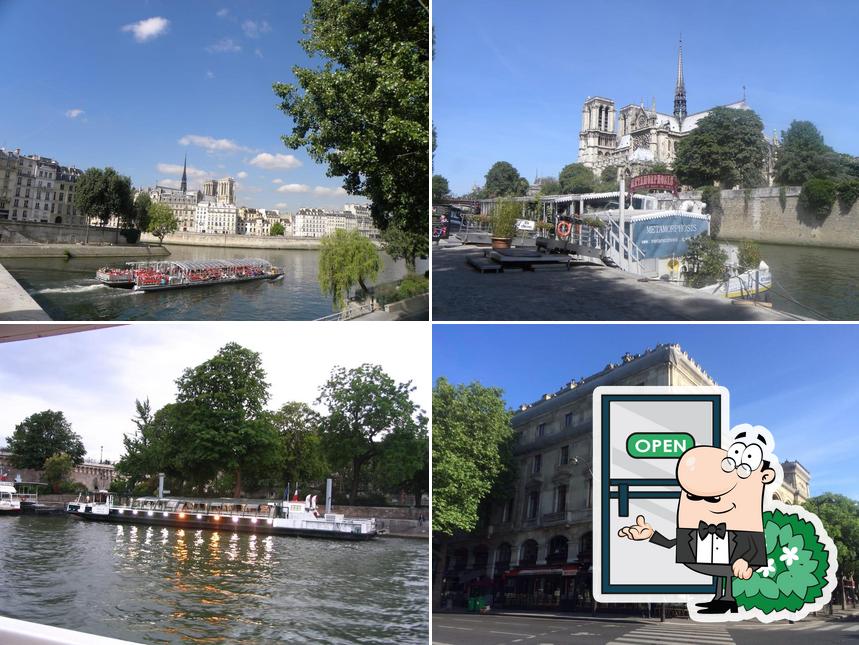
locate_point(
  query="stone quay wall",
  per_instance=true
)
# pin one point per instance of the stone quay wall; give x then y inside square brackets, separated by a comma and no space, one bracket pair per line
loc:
[39,233]
[757,214]
[236,241]
[93,476]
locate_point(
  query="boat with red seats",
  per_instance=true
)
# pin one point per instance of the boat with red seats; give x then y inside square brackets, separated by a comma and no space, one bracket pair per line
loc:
[163,275]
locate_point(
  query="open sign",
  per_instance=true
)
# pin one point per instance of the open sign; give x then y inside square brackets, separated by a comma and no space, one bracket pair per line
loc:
[658,445]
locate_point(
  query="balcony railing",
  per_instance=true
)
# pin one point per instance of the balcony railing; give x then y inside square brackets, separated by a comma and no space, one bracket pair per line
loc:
[566,517]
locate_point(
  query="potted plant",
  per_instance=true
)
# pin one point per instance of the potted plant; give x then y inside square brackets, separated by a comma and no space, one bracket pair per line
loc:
[503,223]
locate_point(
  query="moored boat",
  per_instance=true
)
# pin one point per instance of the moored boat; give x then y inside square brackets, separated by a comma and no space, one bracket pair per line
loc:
[163,275]
[10,502]
[272,517]
[747,285]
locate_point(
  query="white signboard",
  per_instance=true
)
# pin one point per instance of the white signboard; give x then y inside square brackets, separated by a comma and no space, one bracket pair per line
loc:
[639,434]
[525,224]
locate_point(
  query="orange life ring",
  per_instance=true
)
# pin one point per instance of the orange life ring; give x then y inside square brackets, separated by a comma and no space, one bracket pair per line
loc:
[563,228]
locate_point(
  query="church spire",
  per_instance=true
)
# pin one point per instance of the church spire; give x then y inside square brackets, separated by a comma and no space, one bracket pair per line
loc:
[184,186]
[680,88]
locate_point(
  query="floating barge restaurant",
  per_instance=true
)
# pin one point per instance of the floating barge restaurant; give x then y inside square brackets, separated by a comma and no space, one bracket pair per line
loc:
[270,517]
[162,275]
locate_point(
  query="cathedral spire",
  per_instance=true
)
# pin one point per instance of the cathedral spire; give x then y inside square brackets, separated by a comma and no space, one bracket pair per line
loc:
[184,186]
[680,88]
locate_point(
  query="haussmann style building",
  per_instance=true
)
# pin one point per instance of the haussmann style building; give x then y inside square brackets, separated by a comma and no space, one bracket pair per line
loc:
[534,550]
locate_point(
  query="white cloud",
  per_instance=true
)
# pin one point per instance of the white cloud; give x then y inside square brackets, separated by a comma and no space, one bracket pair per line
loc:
[242,174]
[222,13]
[258,53]
[176,169]
[148,29]
[254,29]
[224,46]
[275,162]
[294,188]
[277,181]
[170,183]
[280,205]
[210,74]
[324,190]
[74,114]
[211,144]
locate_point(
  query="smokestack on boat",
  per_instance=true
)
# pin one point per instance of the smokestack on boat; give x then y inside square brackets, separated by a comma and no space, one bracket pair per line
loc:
[160,485]
[327,495]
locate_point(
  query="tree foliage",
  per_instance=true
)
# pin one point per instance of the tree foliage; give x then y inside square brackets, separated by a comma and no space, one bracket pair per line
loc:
[440,188]
[162,221]
[401,245]
[300,433]
[471,426]
[704,261]
[366,408]
[550,186]
[277,229]
[749,255]
[346,258]
[154,447]
[576,178]
[818,196]
[365,110]
[840,517]
[803,155]
[848,193]
[41,436]
[726,147]
[103,192]
[57,470]
[503,180]
[141,210]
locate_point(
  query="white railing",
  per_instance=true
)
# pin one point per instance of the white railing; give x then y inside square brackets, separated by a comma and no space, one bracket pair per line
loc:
[20,632]
[622,249]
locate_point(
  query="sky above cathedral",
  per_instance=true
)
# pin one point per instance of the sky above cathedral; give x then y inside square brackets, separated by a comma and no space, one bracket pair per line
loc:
[799,381]
[137,85]
[509,78]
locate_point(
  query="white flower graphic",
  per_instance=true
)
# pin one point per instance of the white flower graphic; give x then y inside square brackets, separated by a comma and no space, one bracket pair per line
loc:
[767,570]
[789,556]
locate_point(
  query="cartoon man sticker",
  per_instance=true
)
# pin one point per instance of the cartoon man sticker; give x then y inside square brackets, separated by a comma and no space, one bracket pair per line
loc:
[720,529]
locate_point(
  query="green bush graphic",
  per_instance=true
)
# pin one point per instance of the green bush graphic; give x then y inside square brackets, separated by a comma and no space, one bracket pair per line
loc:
[796,567]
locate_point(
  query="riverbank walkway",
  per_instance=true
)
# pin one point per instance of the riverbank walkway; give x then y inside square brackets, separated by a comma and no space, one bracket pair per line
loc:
[585,292]
[15,302]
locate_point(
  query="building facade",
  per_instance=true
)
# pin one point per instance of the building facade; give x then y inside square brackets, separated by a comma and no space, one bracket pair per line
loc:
[95,476]
[216,217]
[534,548]
[638,136]
[363,220]
[318,222]
[181,202]
[37,189]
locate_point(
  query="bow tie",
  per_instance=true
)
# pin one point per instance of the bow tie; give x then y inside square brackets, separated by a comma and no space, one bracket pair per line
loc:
[705,529]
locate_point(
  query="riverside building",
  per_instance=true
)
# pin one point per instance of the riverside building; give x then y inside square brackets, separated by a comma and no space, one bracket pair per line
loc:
[37,189]
[534,548]
[318,222]
[216,217]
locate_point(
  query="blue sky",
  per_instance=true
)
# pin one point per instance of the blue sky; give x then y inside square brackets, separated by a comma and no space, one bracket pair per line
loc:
[799,381]
[136,85]
[509,77]
[95,376]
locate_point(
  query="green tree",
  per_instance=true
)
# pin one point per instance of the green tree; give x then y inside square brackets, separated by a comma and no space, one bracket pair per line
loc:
[658,167]
[440,188]
[141,211]
[364,111]
[704,261]
[298,427]
[840,517]
[103,192]
[803,155]
[346,258]
[471,429]
[503,180]
[818,196]
[162,221]
[226,427]
[576,178]
[57,470]
[365,406]
[609,173]
[727,147]
[277,229]
[749,255]
[403,463]
[401,245]
[155,445]
[550,186]
[43,435]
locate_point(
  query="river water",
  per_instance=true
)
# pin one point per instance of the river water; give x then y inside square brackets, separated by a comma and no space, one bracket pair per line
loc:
[824,281]
[68,290]
[166,585]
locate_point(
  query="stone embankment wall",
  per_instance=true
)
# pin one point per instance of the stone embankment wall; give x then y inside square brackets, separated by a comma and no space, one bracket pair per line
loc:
[142,251]
[15,302]
[757,214]
[236,241]
[36,233]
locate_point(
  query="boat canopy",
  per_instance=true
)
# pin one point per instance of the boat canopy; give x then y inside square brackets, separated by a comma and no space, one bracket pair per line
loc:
[202,265]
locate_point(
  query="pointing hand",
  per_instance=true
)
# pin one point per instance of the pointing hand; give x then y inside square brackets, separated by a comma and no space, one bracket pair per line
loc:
[641,531]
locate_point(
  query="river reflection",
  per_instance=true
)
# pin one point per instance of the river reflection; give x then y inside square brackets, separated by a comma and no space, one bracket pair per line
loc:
[165,585]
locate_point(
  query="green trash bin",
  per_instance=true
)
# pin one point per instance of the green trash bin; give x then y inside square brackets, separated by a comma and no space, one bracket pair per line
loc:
[472,604]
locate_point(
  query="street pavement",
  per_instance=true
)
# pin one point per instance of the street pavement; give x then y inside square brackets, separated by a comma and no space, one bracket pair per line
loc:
[470,629]
[585,292]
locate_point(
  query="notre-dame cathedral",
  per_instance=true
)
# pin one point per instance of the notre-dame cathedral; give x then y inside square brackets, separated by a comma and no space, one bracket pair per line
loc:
[641,137]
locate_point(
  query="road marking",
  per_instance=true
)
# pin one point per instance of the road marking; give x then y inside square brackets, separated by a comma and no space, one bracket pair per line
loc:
[828,627]
[853,628]
[465,629]
[711,637]
[675,634]
[512,634]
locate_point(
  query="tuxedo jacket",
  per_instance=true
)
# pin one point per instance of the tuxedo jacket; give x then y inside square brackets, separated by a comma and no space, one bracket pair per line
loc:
[742,545]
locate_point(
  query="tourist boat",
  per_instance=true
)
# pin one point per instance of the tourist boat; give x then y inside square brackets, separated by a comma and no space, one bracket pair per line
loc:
[163,275]
[746,285]
[280,517]
[10,502]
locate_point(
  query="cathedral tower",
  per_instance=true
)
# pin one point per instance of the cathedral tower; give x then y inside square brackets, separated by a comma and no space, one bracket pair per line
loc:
[184,186]
[680,88]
